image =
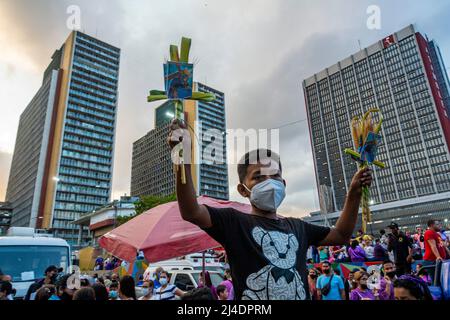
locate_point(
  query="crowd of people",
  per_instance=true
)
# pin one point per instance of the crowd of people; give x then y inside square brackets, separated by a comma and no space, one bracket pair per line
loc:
[57,286]
[395,279]
[397,246]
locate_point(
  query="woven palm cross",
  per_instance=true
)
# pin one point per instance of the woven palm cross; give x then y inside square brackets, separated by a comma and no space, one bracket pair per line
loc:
[180,59]
[365,134]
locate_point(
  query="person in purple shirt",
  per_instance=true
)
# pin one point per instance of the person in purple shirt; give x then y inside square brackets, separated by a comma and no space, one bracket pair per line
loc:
[356,253]
[386,291]
[362,292]
[228,283]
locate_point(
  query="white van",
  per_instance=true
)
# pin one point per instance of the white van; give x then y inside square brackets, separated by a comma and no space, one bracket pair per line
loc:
[25,258]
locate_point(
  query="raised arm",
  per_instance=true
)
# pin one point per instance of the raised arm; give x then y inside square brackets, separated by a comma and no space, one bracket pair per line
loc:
[187,200]
[345,225]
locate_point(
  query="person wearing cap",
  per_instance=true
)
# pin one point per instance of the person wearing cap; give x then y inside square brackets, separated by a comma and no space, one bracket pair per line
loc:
[401,246]
[51,273]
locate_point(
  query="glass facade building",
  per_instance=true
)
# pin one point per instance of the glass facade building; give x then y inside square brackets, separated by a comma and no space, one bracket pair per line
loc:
[396,75]
[78,162]
[85,169]
[213,176]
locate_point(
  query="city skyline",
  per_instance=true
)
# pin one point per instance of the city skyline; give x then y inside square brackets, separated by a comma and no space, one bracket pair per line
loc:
[398,75]
[240,62]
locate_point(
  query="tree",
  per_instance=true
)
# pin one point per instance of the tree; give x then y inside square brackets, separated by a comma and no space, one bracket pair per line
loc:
[146,203]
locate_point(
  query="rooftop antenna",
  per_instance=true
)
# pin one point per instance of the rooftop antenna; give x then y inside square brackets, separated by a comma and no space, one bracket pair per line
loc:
[359,44]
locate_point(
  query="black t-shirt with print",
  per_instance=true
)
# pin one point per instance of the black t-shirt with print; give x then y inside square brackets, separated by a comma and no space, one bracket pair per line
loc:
[267,257]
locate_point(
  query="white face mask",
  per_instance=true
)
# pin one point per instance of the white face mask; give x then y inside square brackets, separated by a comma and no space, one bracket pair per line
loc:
[145,291]
[267,195]
[163,281]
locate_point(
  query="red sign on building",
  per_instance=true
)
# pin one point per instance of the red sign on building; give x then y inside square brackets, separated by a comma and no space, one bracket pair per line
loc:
[388,41]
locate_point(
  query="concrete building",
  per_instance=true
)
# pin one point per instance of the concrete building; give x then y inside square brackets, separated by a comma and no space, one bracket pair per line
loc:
[103,219]
[63,158]
[152,168]
[397,74]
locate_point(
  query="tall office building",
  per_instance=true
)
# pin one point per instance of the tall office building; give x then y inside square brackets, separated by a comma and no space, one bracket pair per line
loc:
[404,77]
[152,168]
[63,157]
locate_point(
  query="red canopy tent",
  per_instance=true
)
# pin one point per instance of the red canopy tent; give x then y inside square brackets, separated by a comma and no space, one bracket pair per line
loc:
[162,234]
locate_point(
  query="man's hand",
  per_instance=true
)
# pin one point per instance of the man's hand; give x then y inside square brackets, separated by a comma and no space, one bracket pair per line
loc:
[361,179]
[346,223]
[186,195]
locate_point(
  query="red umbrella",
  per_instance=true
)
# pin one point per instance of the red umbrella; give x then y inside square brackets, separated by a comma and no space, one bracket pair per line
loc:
[162,234]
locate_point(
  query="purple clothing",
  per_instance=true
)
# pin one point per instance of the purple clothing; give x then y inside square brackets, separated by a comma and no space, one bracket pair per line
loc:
[357,255]
[229,285]
[359,294]
[382,292]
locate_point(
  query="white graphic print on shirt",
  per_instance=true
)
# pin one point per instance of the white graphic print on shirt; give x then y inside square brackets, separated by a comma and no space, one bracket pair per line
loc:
[280,279]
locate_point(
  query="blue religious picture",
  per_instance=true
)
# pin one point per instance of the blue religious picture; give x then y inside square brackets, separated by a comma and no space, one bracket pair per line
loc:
[178,79]
[370,148]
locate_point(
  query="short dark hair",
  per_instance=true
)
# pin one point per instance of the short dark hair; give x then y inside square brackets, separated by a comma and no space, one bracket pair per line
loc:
[6,286]
[431,222]
[382,232]
[253,157]
[101,294]
[113,285]
[386,262]
[220,289]
[326,262]
[45,292]
[127,287]
[86,294]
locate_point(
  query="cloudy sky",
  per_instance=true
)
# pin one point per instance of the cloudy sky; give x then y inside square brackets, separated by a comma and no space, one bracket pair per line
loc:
[256,51]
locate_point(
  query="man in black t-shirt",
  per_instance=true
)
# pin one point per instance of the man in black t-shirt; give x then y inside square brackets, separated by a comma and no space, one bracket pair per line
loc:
[266,252]
[401,246]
